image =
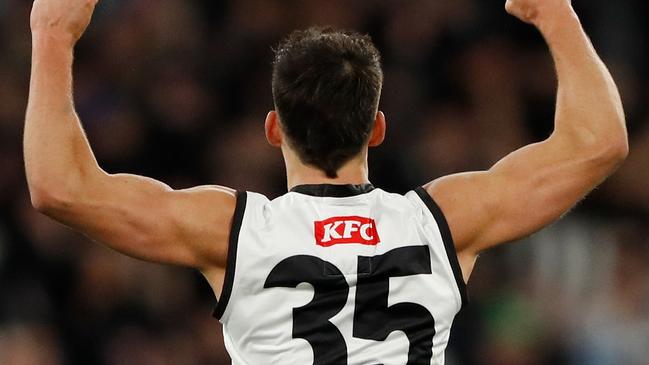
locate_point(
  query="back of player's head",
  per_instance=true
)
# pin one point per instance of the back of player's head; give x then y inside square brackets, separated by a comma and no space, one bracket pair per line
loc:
[326,88]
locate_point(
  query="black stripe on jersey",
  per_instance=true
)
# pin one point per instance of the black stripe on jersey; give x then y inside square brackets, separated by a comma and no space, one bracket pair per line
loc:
[448,241]
[228,281]
[333,191]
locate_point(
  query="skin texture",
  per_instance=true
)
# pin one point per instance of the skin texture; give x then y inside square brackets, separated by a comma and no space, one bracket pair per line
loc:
[146,219]
[536,185]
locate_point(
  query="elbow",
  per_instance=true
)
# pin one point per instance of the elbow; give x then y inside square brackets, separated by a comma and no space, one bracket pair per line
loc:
[48,199]
[613,151]
[608,147]
[617,149]
[52,195]
[622,151]
[41,200]
[616,143]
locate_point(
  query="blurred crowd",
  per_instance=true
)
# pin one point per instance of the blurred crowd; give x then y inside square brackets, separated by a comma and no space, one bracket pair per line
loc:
[178,90]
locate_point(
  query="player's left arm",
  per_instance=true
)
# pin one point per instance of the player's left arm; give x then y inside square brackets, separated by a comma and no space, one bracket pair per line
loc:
[534,186]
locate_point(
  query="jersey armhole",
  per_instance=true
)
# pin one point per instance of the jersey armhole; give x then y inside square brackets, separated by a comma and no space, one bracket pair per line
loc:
[233,243]
[447,238]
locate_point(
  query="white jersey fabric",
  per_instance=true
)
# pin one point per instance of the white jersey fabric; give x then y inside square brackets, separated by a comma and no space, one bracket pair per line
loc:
[339,274]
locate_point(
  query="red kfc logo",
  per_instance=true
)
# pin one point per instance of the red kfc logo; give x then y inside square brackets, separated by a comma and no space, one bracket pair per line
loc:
[346,230]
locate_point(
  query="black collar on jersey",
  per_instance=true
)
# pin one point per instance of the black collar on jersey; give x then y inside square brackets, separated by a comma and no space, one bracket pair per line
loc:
[333,191]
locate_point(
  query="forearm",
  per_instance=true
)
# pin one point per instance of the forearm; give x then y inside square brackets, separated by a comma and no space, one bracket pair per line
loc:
[589,109]
[57,154]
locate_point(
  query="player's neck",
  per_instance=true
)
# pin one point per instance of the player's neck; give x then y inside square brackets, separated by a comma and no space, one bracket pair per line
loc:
[354,172]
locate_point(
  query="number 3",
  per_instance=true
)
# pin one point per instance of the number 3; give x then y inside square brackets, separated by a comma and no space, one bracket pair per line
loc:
[373,318]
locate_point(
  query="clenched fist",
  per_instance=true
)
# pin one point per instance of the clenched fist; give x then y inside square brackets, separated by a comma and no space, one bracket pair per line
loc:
[535,11]
[66,18]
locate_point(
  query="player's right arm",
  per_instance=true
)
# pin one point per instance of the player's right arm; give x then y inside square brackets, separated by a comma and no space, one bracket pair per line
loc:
[535,185]
[134,215]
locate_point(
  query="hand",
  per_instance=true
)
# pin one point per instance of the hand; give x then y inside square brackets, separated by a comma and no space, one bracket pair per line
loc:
[536,11]
[66,18]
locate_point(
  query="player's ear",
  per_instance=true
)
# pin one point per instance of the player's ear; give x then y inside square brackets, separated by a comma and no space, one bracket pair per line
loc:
[378,132]
[273,129]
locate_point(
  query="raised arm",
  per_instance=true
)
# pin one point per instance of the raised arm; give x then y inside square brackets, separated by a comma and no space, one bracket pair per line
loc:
[137,216]
[535,185]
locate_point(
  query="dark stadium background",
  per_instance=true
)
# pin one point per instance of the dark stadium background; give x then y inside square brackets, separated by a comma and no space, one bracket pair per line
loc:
[178,90]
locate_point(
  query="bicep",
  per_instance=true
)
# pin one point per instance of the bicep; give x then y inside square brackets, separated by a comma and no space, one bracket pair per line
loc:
[146,219]
[522,193]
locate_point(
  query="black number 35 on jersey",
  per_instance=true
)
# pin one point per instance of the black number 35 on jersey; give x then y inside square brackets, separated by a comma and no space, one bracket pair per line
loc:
[373,318]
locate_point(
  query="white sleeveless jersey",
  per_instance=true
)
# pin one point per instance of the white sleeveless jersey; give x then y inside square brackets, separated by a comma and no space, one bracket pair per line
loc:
[339,274]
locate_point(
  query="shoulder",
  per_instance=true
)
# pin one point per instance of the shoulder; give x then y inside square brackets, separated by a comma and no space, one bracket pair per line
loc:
[252,208]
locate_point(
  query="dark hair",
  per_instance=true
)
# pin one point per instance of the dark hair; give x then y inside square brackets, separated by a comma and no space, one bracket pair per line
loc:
[326,88]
